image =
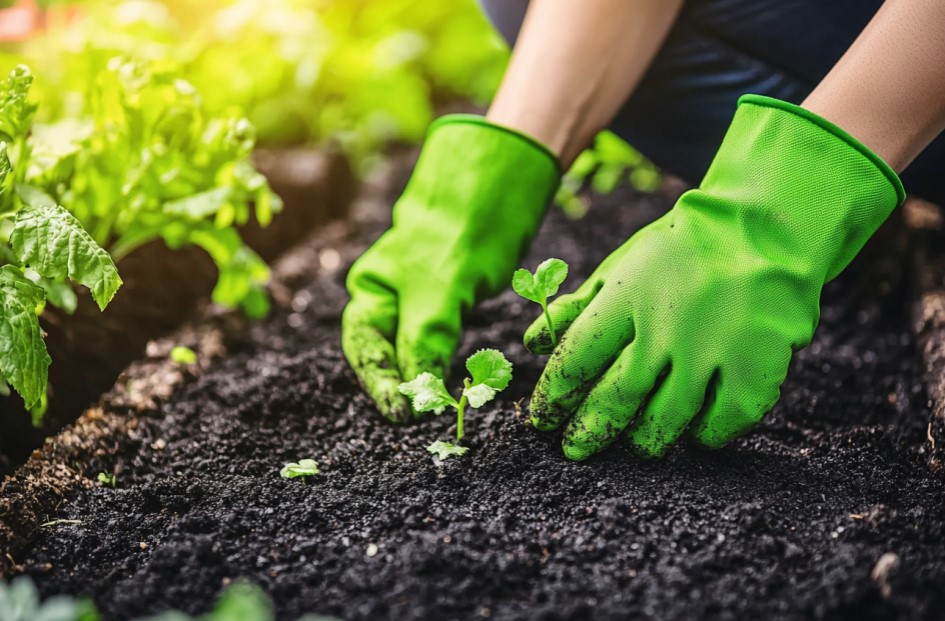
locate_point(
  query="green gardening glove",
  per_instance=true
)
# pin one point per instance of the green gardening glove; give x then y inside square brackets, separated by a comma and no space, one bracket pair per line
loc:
[473,204]
[696,317]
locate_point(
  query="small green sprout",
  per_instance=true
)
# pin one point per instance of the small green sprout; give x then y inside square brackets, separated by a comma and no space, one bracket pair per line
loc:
[304,468]
[491,373]
[541,285]
[106,479]
[183,355]
[445,450]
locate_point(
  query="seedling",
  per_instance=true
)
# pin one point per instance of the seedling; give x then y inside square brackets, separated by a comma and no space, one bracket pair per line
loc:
[491,373]
[303,469]
[183,355]
[541,285]
[106,479]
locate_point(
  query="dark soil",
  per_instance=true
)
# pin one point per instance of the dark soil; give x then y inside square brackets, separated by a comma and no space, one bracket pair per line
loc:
[789,523]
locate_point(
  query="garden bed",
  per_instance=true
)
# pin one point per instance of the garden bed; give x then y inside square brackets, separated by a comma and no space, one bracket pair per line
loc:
[828,510]
[163,288]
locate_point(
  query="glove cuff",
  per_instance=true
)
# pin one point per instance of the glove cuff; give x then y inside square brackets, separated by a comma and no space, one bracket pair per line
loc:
[835,130]
[803,191]
[475,119]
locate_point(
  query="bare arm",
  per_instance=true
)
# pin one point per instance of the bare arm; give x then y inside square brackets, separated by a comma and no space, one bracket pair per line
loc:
[888,90]
[574,66]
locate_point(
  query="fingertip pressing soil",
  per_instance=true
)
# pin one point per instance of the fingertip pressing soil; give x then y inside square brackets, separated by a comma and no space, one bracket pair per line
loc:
[827,511]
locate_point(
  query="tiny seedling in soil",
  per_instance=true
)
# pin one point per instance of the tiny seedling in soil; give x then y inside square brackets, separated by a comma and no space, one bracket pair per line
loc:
[491,373]
[106,479]
[541,285]
[303,469]
[183,355]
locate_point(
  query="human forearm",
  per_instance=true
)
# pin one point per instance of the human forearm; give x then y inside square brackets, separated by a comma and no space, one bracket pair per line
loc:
[575,64]
[888,90]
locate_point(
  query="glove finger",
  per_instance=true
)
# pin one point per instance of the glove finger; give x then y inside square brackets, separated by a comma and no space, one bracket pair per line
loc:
[427,334]
[742,395]
[368,325]
[612,403]
[670,410]
[585,351]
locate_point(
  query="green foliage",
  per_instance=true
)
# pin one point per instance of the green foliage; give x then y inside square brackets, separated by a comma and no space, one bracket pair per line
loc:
[19,601]
[445,450]
[491,373]
[143,162]
[183,355]
[541,285]
[53,243]
[42,248]
[603,167]
[360,73]
[106,479]
[304,468]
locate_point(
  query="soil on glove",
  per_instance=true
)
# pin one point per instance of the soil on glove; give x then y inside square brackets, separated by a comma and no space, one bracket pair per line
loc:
[828,510]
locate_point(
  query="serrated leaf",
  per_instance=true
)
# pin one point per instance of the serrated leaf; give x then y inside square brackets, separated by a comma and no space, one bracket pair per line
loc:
[445,450]
[24,363]
[52,242]
[523,283]
[428,393]
[489,367]
[549,276]
[302,468]
[16,112]
[479,395]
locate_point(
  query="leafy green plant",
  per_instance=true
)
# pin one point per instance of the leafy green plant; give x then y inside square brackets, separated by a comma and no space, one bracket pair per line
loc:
[491,374]
[602,167]
[541,285]
[183,355]
[42,249]
[144,161]
[19,601]
[106,479]
[303,469]
[356,73]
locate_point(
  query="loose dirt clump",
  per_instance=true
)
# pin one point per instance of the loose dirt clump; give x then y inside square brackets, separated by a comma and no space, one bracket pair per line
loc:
[829,510]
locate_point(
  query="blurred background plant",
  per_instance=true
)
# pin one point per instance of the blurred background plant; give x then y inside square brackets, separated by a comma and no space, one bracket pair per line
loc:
[361,74]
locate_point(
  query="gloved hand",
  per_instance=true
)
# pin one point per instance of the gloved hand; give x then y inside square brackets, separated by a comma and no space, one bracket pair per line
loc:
[696,317]
[474,202]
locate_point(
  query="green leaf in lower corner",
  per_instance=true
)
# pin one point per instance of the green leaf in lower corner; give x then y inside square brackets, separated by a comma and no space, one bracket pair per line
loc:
[52,242]
[24,362]
[445,450]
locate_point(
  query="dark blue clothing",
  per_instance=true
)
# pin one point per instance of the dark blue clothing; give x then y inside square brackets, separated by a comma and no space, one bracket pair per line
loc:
[720,49]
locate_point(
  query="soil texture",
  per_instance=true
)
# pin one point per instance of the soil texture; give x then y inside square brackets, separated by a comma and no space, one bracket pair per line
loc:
[829,510]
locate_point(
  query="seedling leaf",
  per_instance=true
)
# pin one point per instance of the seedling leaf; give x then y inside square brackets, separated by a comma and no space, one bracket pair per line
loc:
[428,393]
[479,395]
[445,450]
[302,468]
[489,367]
[183,355]
[23,358]
[52,242]
[549,276]
[523,283]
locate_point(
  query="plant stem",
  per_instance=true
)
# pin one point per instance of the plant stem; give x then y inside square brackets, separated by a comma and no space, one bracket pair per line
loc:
[460,410]
[551,327]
